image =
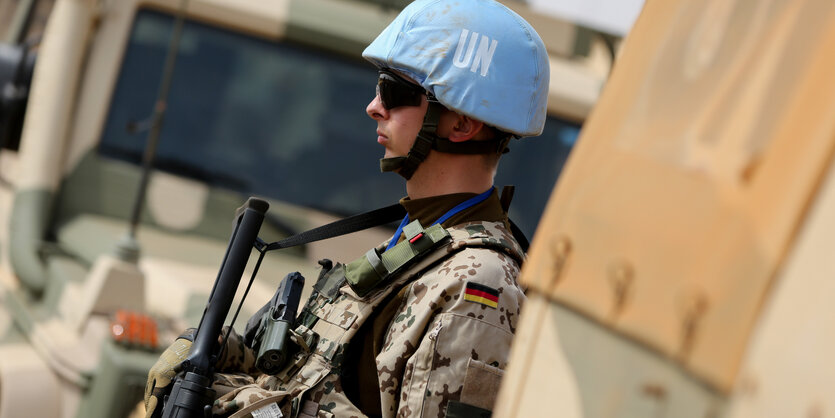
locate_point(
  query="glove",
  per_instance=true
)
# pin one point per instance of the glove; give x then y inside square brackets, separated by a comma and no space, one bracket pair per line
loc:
[162,374]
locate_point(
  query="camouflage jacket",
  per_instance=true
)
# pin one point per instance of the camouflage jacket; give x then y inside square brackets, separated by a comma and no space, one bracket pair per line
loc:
[444,352]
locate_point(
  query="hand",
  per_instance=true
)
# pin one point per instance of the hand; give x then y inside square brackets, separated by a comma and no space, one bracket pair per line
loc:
[164,370]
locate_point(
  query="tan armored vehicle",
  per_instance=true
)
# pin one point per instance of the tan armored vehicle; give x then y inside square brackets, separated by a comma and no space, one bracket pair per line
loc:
[685,264]
[263,98]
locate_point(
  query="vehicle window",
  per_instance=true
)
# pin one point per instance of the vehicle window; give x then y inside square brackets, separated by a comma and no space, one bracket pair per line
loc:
[282,120]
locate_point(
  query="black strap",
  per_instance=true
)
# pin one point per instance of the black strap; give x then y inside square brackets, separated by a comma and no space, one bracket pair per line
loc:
[506,197]
[356,223]
[391,163]
[417,154]
[519,235]
[341,227]
[491,146]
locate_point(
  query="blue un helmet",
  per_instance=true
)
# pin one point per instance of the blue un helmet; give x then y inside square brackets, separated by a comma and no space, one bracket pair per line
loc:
[475,57]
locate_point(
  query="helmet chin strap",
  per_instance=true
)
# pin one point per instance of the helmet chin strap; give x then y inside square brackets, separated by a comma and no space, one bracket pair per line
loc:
[406,166]
[428,140]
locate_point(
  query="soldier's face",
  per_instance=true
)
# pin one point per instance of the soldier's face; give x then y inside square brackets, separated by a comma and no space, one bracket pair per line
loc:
[397,127]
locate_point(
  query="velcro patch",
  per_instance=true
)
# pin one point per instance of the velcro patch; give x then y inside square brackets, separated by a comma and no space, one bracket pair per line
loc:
[481,294]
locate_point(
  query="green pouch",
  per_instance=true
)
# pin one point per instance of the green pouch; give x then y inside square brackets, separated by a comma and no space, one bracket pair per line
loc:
[367,272]
[328,285]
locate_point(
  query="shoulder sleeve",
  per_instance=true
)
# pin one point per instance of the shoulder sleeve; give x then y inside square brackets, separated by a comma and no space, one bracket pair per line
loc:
[457,320]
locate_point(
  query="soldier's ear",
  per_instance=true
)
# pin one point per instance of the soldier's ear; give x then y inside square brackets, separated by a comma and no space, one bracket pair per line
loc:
[465,128]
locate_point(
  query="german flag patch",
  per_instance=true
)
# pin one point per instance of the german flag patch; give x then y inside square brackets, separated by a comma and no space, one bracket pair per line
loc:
[481,294]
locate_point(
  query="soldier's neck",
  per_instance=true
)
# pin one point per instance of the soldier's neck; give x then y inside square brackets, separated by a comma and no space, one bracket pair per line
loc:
[448,174]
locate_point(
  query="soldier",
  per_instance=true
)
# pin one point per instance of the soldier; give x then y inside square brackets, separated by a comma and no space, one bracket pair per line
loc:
[422,325]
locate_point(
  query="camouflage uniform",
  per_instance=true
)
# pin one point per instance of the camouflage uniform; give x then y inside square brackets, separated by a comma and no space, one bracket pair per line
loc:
[452,316]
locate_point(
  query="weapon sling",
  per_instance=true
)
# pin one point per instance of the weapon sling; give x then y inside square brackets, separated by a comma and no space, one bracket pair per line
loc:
[191,394]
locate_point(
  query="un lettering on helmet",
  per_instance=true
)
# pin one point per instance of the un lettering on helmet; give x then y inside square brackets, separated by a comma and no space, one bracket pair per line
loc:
[483,56]
[477,57]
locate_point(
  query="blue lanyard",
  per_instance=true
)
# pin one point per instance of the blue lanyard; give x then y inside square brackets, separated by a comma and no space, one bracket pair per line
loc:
[463,205]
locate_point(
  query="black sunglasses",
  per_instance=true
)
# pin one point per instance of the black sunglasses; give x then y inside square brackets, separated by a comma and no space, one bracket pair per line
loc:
[395,91]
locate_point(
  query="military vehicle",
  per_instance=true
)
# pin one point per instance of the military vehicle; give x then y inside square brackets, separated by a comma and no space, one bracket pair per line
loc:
[684,265]
[132,129]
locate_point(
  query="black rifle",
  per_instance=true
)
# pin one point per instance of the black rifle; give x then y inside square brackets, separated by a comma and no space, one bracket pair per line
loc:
[191,395]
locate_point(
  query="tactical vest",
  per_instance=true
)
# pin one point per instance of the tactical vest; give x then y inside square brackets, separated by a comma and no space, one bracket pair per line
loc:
[343,299]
